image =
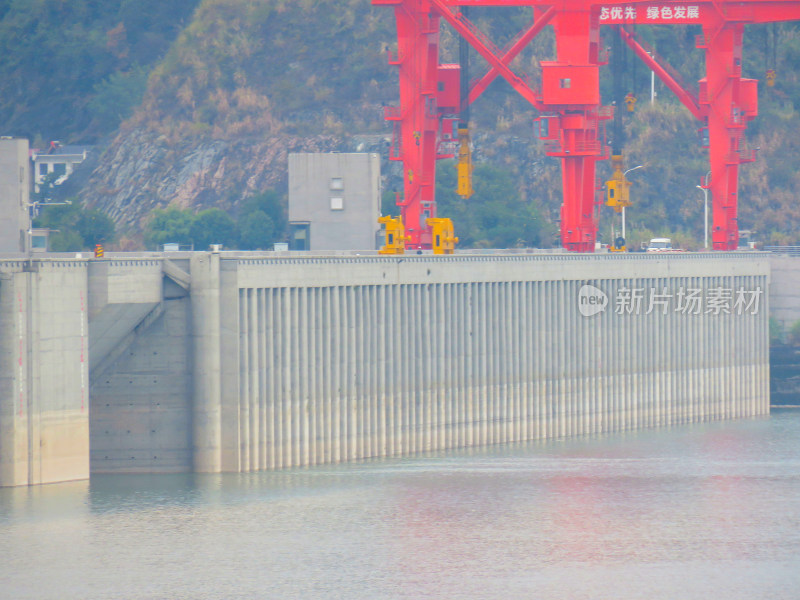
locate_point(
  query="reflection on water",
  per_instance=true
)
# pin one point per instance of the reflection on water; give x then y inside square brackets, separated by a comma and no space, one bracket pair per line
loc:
[703,511]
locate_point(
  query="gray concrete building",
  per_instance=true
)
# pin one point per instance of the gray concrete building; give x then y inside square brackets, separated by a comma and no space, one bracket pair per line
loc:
[14,195]
[334,201]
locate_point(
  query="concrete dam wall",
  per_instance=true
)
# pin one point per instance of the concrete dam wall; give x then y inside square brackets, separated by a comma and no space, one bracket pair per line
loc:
[234,362]
[44,371]
[414,354]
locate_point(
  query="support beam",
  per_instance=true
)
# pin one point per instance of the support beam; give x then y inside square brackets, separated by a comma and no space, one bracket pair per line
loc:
[512,53]
[465,28]
[686,97]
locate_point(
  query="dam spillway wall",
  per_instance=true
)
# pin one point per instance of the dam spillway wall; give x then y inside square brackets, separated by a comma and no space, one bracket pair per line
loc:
[242,362]
[327,359]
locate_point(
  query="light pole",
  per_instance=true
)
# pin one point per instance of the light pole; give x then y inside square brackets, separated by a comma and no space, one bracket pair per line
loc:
[652,83]
[705,217]
[705,209]
[623,208]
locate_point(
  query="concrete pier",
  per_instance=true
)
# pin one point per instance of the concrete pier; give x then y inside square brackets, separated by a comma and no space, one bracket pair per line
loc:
[241,362]
[44,372]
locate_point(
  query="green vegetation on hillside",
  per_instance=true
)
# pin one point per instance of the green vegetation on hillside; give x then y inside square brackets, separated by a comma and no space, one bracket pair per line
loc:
[73,70]
[305,67]
[261,223]
[74,227]
[495,216]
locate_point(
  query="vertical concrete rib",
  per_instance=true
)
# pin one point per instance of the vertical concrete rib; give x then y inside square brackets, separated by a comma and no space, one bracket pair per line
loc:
[264,435]
[244,378]
[207,411]
[285,398]
[304,371]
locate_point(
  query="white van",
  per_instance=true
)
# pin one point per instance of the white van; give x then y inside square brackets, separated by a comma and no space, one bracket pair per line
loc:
[659,245]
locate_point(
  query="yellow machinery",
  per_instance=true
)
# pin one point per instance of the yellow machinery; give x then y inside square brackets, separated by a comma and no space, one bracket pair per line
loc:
[396,237]
[618,187]
[771,75]
[618,197]
[630,101]
[443,234]
[464,165]
[618,245]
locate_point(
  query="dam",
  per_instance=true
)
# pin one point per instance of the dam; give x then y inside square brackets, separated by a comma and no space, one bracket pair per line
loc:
[236,362]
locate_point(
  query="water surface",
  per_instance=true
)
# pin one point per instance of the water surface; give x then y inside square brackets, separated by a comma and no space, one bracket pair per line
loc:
[702,511]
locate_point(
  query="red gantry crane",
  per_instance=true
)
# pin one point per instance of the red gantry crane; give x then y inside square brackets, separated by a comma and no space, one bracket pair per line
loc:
[571,120]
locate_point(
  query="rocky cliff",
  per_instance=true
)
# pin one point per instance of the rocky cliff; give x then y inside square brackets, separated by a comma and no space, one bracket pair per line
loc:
[140,171]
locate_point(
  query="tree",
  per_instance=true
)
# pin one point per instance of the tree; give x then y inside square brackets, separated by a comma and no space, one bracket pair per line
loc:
[270,203]
[389,204]
[117,96]
[262,220]
[213,226]
[63,215]
[257,231]
[95,227]
[169,225]
[73,227]
[495,216]
[66,241]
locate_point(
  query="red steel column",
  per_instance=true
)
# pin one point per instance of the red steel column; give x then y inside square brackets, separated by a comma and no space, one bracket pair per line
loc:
[418,60]
[571,88]
[730,102]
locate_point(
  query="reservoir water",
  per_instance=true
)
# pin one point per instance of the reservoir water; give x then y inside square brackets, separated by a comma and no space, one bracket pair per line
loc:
[701,511]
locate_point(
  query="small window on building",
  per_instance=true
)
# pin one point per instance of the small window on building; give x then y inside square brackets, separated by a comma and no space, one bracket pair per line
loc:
[42,169]
[59,169]
[565,83]
[337,183]
[337,203]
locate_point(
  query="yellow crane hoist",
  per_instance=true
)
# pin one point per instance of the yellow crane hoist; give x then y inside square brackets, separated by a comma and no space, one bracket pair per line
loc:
[464,165]
[618,187]
[771,76]
[630,101]
[444,238]
[396,237]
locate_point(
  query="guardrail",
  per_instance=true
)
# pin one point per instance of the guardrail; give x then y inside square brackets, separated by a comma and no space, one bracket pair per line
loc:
[790,250]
